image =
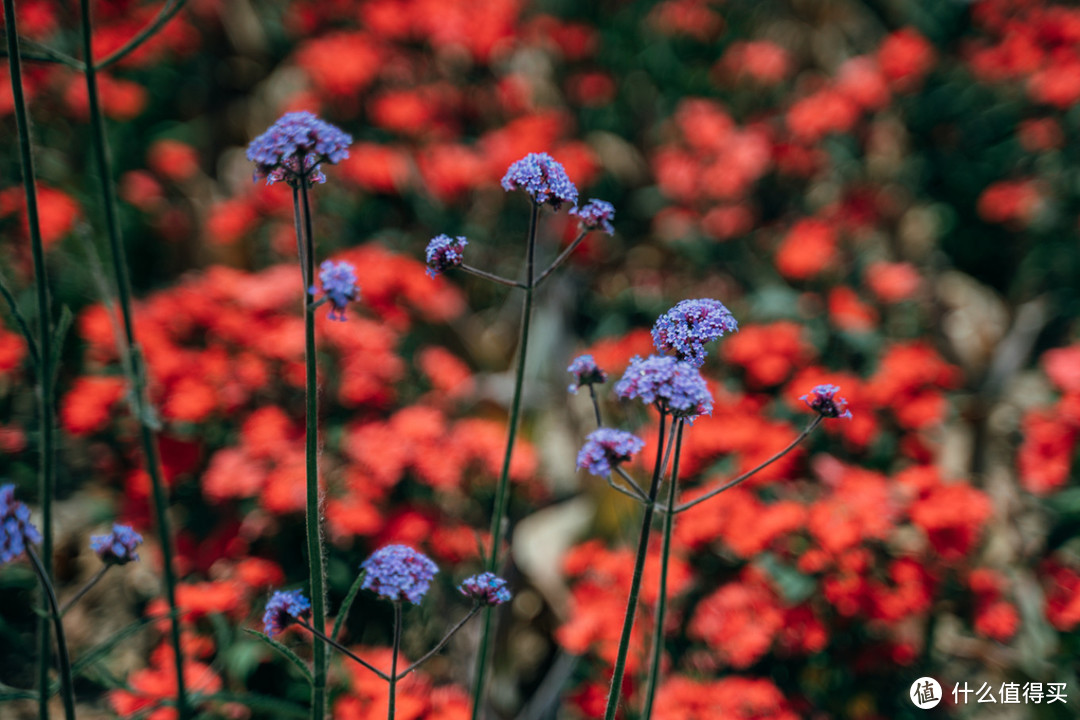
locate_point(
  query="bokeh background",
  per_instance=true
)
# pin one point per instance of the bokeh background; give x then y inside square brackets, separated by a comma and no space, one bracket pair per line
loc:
[885,193]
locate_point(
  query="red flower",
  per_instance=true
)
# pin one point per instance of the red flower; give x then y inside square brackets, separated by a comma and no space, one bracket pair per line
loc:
[87,407]
[905,58]
[807,249]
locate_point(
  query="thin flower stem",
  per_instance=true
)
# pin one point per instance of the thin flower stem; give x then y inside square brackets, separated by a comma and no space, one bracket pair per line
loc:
[64,660]
[133,353]
[728,485]
[562,258]
[442,643]
[501,492]
[20,320]
[342,649]
[164,15]
[661,603]
[635,583]
[314,529]
[641,498]
[491,276]
[632,482]
[84,589]
[298,219]
[38,52]
[393,661]
[46,472]
[667,452]
[596,405]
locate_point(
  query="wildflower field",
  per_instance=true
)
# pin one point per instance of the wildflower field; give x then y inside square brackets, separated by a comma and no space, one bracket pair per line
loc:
[528,359]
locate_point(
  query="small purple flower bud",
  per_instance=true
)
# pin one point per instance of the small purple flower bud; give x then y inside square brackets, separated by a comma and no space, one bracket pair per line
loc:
[605,448]
[823,400]
[397,572]
[685,328]
[585,372]
[486,589]
[339,285]
[118,547]
[445,252]
[596,215]
[543,178]
[16,530]
[283,609]
[676,386]
[295,146]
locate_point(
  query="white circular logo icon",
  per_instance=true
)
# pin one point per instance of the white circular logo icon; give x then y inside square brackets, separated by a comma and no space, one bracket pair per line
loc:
[925,693]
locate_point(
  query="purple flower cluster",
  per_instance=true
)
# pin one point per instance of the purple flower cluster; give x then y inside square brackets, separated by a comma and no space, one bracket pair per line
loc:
[283,609]
[596,214]
[685,328]
[397,572]
[16,530]
[585,372]
[675,385]
[605,448]
[543,179]
[118,547]
[486,588]
[823,399]
[295,146]
[445,252]
[339,285]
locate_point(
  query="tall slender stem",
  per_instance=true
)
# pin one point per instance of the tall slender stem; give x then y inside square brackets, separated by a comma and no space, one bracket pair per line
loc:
[66,692]
[393,661]
[46,472]
[635,583]
[314,516]
[134,353]
[661,601]
[595,405]
[85,589]
[501,492]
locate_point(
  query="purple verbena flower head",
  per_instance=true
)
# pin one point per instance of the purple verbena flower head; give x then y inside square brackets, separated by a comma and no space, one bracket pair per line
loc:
[283,609]
[486,589]
[445,252]
[16,530]
[605,448]
[339,285]
[585,372]
[543,179]
[596,215]
[118,547]
[295,146]
[823,400]
[675,385]
[397,572]
[685,328]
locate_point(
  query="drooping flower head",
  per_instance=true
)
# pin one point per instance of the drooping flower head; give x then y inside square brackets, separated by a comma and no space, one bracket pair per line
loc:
[585,372]
[16,530]
[543,179]
[283,609]
[295,146]
[397,572]
[118,547]
[605,448]
[339,285]
[486,588]
[596,215]
[445,252]
[823,400]
[675,385]
[685,328]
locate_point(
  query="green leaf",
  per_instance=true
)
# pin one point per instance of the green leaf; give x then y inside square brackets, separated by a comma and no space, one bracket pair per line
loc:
[793,585]
[63,325]
[106,647]
[292,657]
[346,605]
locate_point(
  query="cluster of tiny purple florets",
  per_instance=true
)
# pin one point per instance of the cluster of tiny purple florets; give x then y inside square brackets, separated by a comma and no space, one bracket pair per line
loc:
[16,530]
[118,547]
[283,609]
[585,372]
[685,328]
[675,385]
[445,252]
[543,178]
[605,448]
[397,572]
[823,399]
[596,215]
[486,588]
[294,147]
[339,285]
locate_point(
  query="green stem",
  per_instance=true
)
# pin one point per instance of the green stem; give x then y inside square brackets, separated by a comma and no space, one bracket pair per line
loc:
[501,492]
[135,359]
[343,650]
[46,472]
[314,516]
[66,691]
[84,589]
[442,643]
[615,692]
[393,661]
[661,602]
[167,12]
